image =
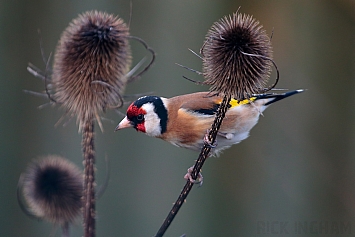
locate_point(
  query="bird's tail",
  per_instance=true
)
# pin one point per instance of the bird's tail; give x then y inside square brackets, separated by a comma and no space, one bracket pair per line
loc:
[277,97]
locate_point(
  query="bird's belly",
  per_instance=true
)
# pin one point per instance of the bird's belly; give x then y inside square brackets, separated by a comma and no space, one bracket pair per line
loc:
[191,146]
[223,141]
[234,129]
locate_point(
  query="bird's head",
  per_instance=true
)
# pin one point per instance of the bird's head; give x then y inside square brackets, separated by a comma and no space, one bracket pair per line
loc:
[148,114]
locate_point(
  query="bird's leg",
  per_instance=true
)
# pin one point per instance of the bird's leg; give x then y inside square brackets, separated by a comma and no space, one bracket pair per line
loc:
[188,176]
[207,142]
[226,135]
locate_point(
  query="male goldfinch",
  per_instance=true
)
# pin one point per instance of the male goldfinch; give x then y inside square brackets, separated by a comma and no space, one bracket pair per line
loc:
[183,120]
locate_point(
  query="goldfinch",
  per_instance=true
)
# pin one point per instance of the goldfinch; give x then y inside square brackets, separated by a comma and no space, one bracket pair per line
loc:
[183,120]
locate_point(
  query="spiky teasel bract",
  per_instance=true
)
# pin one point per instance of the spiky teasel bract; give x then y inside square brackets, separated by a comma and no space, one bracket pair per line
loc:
[53,187]
[91,63]
[237,56]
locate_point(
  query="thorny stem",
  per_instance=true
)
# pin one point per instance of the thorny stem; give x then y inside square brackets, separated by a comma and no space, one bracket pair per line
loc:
[198,165]
[65,229]
[89,179]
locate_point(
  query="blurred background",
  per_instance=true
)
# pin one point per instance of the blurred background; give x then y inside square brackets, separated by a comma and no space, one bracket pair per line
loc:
[294,175]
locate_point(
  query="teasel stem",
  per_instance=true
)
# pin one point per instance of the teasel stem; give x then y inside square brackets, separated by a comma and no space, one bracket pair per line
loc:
[89,179]
[236,59]
[205,151]
[65,230]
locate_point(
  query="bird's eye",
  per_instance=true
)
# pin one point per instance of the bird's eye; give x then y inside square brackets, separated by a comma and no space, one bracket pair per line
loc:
[140,117]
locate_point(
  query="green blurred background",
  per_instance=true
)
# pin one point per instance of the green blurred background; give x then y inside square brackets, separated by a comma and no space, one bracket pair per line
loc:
[298,165]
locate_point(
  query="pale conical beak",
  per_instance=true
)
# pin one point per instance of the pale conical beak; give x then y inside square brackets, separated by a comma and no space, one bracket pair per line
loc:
[125,123]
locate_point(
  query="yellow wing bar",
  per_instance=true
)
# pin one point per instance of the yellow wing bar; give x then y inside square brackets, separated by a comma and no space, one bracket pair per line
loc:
[235,102]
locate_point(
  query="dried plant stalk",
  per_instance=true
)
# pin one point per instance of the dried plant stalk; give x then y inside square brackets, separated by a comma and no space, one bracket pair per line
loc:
[236,59]
[90,73]
[205,151]
[89,178]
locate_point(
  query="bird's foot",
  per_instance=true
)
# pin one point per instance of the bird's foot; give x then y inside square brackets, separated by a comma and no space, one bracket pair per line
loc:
[208,142]
[226,135]
[188,176]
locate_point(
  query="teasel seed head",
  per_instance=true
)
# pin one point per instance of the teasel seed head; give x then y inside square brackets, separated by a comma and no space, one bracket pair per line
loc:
[237,56]
[53,188]
[91,63]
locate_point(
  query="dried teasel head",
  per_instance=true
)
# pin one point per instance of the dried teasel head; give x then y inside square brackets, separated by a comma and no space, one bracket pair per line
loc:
[91,63]
[52,188]
[237,56]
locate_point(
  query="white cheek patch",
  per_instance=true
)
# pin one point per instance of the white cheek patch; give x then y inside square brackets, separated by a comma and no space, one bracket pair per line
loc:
[151,121]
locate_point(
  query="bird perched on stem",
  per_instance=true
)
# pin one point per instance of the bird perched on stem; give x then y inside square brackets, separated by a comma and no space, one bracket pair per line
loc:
[184,120]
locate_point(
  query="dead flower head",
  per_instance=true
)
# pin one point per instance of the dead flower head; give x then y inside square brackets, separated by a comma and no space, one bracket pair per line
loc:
[237,56]
[53,187]
[91,63]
